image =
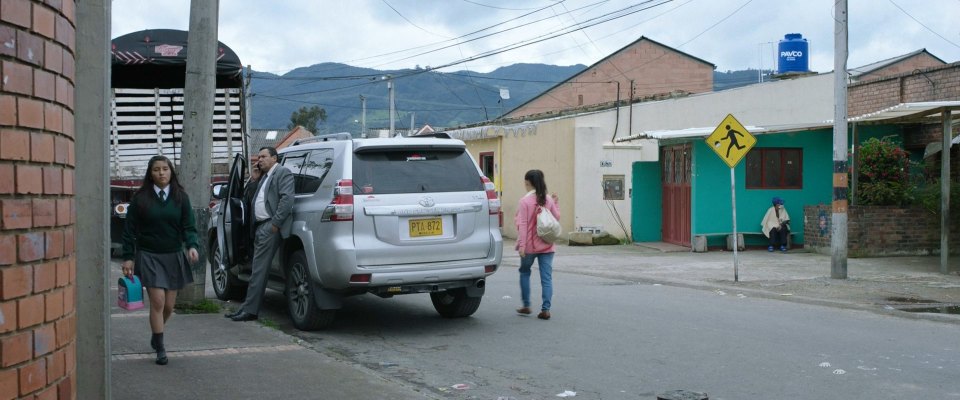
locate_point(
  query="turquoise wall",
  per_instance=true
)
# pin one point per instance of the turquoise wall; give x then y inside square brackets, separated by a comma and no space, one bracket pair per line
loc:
[711,187]
[646,221]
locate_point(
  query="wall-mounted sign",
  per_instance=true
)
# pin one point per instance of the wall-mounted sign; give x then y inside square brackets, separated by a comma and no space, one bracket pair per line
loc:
[606,164]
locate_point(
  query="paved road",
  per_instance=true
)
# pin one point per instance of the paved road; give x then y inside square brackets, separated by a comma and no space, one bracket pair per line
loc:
[617,339]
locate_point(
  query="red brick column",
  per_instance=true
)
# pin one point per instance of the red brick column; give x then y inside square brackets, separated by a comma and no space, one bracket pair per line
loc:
[37,263]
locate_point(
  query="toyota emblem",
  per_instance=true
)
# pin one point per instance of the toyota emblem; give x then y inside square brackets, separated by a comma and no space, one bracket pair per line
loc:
[427,202]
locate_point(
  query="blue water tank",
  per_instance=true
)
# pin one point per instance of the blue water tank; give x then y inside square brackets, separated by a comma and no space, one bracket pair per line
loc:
[792,52]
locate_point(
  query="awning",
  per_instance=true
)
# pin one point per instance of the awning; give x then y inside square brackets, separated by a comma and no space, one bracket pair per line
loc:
[903,112]
[918,110]
[935,147]
[706,131]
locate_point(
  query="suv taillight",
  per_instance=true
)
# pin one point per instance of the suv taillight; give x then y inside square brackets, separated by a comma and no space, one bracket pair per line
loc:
[342,201]
[492,200]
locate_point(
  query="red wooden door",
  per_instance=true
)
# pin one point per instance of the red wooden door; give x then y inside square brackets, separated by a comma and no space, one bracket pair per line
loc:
[675,164]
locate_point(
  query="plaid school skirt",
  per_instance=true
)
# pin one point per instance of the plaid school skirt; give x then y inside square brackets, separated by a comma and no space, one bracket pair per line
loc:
[169,271]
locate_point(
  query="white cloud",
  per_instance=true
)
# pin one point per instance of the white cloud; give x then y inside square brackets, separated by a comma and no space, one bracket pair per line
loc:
[280,35]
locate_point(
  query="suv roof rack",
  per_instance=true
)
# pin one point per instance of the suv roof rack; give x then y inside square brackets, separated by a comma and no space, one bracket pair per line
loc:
[438,135]
[325,138]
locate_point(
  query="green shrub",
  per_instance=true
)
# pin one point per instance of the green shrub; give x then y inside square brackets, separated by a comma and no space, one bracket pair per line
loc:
[884,175]
[928,196]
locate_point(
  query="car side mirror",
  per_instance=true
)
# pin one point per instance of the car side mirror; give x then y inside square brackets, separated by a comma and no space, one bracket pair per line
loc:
[219,190]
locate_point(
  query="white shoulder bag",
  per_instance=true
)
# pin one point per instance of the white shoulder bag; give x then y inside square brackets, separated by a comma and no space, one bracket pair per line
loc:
[548,228]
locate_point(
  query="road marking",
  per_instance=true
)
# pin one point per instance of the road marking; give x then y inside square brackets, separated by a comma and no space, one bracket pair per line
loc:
[207,353]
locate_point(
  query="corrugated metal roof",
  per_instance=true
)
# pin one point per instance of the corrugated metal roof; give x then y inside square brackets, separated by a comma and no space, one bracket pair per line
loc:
[706,131]
[866,69]
[907,110]
[912,111]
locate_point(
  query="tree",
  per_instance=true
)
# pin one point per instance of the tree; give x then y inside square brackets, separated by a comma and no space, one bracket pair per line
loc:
[309,118]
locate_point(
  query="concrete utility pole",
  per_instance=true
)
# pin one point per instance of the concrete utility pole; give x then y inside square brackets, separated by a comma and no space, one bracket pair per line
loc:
[92,99]
[198,101]
[945,193]
[363,116]
[838,237]
[392,106]
[247,113]
[412,115]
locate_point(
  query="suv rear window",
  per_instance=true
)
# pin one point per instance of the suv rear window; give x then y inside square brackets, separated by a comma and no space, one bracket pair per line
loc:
[414,171]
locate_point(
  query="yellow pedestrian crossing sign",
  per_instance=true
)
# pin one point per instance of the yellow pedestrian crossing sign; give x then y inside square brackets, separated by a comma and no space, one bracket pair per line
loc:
[731,141]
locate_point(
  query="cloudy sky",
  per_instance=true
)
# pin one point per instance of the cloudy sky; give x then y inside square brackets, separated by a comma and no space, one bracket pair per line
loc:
[280,35]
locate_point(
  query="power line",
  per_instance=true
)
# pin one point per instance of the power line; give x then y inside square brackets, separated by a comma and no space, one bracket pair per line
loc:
[610,16]
[497,8]
[409,21]
[922,24]
[489,35]
[376,108]
[456,38]
[545,37]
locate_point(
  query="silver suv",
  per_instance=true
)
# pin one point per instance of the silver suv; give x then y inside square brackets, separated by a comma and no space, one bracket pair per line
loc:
[381,216]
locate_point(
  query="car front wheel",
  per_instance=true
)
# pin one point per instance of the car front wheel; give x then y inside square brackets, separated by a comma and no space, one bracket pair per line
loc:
[303,309]
[455,303]
[225,285]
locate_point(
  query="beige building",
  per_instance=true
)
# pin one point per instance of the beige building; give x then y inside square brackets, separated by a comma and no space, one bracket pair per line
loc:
[589,158]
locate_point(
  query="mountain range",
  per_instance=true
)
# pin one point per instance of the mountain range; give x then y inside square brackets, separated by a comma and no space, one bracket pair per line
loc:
[429,97]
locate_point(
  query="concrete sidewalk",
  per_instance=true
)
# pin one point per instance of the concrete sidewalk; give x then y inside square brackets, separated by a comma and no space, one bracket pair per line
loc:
[214,358]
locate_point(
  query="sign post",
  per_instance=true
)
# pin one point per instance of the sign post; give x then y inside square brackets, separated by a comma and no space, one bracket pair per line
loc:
[731,141]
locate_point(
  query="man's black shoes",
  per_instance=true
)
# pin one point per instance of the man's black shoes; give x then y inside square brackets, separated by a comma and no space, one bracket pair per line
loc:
[233,314]
[244,316]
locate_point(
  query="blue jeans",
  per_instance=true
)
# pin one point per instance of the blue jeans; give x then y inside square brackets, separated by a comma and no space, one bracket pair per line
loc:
[546,278]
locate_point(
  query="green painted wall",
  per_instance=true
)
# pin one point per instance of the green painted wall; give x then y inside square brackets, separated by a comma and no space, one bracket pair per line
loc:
[711,187]
[647,211]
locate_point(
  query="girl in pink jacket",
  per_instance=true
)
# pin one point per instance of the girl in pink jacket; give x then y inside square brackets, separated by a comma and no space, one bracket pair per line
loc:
[530,246]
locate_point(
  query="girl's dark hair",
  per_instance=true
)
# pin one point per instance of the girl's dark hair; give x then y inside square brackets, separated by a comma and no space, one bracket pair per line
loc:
[145,192]
[535,177]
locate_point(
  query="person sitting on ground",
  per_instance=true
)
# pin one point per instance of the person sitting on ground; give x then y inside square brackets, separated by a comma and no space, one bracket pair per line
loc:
[776,225]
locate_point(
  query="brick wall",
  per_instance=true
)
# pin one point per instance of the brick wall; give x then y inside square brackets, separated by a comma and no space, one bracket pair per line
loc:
[654,68]
[37,263]
[931,84]
[880,231]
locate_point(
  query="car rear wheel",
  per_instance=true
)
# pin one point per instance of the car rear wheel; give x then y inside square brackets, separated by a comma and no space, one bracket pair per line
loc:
[225,285]
[303,309]
[455,303]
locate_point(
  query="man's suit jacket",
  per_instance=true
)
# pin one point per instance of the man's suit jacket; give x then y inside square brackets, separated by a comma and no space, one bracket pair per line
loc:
[279,199]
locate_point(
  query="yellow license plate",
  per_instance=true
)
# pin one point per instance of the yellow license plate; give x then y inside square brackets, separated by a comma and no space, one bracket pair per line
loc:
[426,227]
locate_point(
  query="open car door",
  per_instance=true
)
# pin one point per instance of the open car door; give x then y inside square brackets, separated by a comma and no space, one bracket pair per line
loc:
[234,222]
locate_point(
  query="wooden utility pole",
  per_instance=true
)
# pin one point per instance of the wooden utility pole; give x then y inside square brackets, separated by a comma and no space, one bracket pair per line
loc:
[198,101]
[838,237]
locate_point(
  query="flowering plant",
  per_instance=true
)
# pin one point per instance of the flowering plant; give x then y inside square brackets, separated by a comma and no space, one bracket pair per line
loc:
[884,178]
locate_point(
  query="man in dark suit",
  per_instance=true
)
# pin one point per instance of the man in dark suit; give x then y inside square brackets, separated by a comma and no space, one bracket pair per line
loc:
[272,210]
